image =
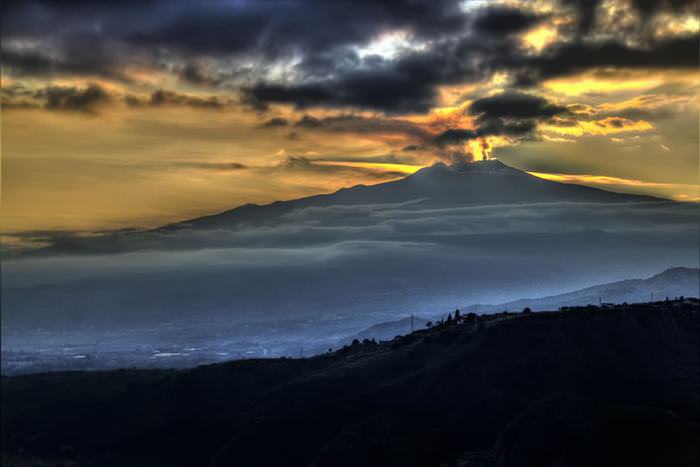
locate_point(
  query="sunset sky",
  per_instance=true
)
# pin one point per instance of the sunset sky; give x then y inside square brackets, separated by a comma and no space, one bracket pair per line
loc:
[119,114]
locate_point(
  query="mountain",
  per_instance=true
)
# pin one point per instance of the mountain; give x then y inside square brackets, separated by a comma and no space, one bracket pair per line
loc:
[271,280]
[671,283]
[482,183]
[578,388]
[488,182]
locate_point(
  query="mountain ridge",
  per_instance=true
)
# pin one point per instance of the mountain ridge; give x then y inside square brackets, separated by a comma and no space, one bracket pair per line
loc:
[567,388]
[439,184]
[670,283]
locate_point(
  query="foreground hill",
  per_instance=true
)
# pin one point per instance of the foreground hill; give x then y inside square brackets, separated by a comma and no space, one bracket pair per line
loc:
[603,387]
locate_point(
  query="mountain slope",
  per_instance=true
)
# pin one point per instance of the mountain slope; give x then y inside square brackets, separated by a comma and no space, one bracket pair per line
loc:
[580,388]
[671,283]
[479,183]
[482,183]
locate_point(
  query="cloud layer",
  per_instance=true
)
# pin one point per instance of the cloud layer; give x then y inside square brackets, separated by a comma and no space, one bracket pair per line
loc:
[160,91]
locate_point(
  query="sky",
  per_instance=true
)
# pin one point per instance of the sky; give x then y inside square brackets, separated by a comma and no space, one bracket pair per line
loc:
[121,114]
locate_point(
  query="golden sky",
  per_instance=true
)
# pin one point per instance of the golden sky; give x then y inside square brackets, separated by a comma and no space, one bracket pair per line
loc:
[119,116]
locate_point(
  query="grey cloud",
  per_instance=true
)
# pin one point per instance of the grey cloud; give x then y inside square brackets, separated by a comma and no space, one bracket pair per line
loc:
[75,99]
[502,20]
[512,114]
[101,38]
[215,166]
[365,125]
[415,221]
[275,123]
[305,164]
[163,97]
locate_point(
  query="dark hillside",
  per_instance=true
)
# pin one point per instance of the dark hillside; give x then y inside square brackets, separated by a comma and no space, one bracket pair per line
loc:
[587,386]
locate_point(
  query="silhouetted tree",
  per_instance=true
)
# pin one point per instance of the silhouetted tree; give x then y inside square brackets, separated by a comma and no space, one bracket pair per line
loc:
[526,310]
[429,324]
[458,315]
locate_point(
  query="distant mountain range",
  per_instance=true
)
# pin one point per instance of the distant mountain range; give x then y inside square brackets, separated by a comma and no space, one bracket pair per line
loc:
[671,283]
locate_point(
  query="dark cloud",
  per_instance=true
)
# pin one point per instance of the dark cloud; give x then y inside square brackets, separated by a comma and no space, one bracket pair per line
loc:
[275,123]
[616,122]
[334,167]
[302,96]
[455,136]
[324,94]
[507,114]
[648,7]
[76,60]
[163,97]
[307,121]
[499,20]
[215,166]
[272,29]
[408,84]
[493,127]
[358,124]
[278,28]
[75,99]
[577,57]
[586,11]
[405,85]
[10,4]
[102,38]
[382,159]
[194,74]
[514,105]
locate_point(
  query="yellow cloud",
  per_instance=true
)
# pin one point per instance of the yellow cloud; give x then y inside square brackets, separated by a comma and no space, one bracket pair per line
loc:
[644,101]
[591,84]
[666,25]
[615,81]
[540,37]
[605,126]
[378,166]
[680,192]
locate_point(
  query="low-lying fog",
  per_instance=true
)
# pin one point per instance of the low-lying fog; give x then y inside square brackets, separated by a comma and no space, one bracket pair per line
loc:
[318,276]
